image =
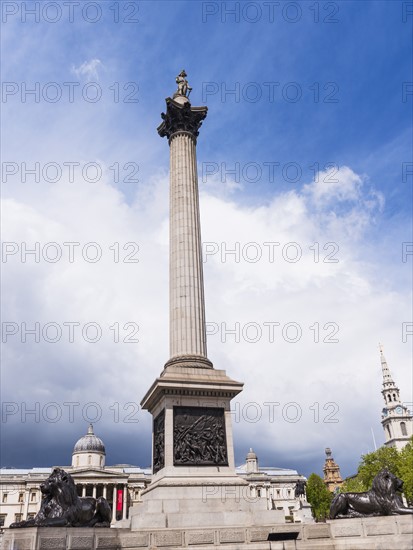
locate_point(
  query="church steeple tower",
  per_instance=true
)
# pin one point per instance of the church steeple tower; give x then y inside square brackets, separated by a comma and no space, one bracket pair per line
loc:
[332,476]
[397,420]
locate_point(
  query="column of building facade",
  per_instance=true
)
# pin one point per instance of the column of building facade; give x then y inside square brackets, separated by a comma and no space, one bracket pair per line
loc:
[125,501]
[26,503]
[83,490]
[94,490]
[114,503]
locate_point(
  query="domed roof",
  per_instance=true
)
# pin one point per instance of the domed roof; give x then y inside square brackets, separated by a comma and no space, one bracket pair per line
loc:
[90,442]
[251,455]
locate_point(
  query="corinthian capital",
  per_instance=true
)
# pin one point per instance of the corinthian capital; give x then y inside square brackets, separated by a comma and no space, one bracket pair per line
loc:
[181,117]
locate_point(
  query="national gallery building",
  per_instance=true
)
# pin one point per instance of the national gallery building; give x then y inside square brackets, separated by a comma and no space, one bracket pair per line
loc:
[122,484]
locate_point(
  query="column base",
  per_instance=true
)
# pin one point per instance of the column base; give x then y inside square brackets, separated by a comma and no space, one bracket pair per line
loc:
[189,361]
[302,512]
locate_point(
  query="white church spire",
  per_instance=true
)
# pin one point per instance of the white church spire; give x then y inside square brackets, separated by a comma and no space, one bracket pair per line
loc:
[390,391]
[387,378]
[396,419]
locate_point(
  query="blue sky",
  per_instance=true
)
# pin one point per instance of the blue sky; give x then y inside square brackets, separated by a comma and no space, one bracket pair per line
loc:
[361,61]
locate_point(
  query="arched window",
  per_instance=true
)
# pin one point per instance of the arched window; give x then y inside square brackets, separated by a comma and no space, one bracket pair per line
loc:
[403,428]
[394,397]
[389,398]
[89,459]
[388,430]
[101,460]
[77,461]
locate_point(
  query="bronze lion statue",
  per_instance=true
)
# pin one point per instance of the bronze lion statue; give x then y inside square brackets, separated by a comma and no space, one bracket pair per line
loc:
[62,507]
[383,499]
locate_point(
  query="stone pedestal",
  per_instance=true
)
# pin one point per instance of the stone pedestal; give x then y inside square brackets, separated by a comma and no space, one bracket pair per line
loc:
[194,481]
[302,512]
[192,433]
[377,533]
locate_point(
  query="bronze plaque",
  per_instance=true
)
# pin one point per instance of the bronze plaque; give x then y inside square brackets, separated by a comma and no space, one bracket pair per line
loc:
[200,437]
[159,442]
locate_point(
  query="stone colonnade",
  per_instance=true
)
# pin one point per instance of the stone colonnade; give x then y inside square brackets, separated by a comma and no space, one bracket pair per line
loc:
[109,491]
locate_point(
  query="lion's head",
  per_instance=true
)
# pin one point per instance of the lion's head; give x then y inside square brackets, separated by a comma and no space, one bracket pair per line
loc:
[386,484]
[60,486]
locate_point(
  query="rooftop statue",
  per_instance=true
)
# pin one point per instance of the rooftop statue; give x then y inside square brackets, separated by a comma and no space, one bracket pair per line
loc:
[383,499]
[62,507]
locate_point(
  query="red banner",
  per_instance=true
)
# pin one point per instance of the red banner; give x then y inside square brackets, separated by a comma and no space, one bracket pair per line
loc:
[119,501]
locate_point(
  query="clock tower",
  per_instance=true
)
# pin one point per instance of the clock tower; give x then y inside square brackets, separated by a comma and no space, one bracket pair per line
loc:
[396,419]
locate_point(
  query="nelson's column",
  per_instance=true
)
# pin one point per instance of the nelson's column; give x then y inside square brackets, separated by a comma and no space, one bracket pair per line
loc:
[193,455]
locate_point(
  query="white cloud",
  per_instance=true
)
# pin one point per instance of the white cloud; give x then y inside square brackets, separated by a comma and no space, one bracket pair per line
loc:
[335,184]
[343,201]
[88,70]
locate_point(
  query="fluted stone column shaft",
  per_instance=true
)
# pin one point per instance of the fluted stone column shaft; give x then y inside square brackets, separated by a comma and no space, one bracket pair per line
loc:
[187,306]
[114,499]
[125,501]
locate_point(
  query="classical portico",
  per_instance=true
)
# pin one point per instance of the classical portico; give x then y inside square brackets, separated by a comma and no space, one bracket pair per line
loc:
[115,489]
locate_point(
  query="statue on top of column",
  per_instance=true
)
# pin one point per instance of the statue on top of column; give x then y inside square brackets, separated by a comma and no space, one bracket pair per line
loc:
[180,116]
[183,87]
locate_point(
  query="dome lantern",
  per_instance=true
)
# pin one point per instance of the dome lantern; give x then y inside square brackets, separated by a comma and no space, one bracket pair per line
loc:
[252,462]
